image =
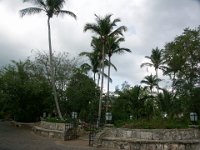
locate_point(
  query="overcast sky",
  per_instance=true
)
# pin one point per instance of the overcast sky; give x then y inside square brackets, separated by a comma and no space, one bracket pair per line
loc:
[150,23]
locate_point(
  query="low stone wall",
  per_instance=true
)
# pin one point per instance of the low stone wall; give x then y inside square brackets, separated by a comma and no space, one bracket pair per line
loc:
[149,139]
[52,125]
[51,130]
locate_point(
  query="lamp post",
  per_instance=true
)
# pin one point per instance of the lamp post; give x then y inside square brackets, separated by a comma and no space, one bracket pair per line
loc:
[108,116]
[74,115]
[193,117]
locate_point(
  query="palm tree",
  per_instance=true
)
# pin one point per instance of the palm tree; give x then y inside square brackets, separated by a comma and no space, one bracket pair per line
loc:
[51,8]
[151,81]
[94,62]
[156,60]
[104,28]
[113,47]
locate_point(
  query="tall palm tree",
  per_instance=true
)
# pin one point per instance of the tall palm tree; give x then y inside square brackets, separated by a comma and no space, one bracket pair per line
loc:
[51,8]
[156,60]
[151,81]
[103,28]
[113,47]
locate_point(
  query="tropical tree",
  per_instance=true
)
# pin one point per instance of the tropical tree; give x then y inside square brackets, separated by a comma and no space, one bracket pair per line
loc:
[182,59]
[151,81]
[113,47]
[94,62]
[132,101]
[104,28]
[156,60]
[51,8]
[82,95]
[25,94]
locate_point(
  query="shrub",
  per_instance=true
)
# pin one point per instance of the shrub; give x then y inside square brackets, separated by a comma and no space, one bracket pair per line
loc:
[156,124]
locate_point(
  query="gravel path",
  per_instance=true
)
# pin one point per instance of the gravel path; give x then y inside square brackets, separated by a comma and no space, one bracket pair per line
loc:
[18,138]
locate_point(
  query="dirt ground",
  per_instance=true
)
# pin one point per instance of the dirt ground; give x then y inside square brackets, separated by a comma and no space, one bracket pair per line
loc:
[20,138]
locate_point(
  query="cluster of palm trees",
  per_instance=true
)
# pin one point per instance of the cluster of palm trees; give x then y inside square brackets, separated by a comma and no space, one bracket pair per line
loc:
[105,43]
[157,62]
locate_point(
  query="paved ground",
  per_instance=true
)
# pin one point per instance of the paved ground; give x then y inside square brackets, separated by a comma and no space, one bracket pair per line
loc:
[18,138]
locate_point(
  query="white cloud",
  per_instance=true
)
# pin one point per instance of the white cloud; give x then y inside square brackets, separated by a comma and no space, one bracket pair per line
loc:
[150,24]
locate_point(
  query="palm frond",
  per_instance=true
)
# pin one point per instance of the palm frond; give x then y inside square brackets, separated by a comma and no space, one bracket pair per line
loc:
[85,54]
[115,21]
[63,12]
[30,11]
[122,50]
[93,27]
[39,3]
[107,63]
[146,64]
[119,31]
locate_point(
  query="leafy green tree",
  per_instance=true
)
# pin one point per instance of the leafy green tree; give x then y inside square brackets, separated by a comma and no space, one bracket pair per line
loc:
[104,28]
[82,95]
[51,8]
[64,70]
[25,93]
[182,58]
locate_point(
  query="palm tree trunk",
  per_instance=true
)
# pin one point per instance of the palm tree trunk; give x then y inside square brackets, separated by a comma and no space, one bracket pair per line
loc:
[52,71]
[94,77]
[157,77]
[108,85]
[101,92]
[98,78]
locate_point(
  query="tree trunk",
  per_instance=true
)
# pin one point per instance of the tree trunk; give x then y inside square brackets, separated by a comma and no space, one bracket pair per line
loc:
[101,91]
[52,71]
[94,77]
[157,87]
[108,85]
[98,78]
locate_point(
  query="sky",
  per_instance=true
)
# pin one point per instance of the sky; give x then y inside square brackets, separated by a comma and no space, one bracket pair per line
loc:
[150,23]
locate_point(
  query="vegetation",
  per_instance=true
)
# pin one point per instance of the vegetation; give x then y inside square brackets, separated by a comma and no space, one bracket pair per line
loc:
[51,8]
[59,85]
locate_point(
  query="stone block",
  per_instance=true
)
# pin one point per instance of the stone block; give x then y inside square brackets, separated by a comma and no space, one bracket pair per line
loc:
[146,135]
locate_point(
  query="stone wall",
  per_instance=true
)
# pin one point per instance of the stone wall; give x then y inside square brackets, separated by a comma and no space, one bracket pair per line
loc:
[50,129]
[149,139]
[52,126]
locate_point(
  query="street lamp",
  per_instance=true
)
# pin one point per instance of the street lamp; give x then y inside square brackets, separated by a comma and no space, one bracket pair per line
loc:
[193,116]
[74,115]
[108,116]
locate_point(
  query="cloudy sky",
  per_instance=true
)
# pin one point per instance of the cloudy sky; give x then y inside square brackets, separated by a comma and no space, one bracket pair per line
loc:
[150,23]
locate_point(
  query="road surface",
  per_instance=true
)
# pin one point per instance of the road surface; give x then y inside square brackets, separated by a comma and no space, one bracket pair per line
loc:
[18,138]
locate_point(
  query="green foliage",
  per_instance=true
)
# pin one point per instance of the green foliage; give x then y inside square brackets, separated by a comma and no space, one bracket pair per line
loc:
[24,92]
[133,101]
[157,124]
[82,95]
[182,58]
[194,104]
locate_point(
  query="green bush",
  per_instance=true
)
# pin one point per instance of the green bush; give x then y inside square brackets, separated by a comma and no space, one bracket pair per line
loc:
[155,124]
